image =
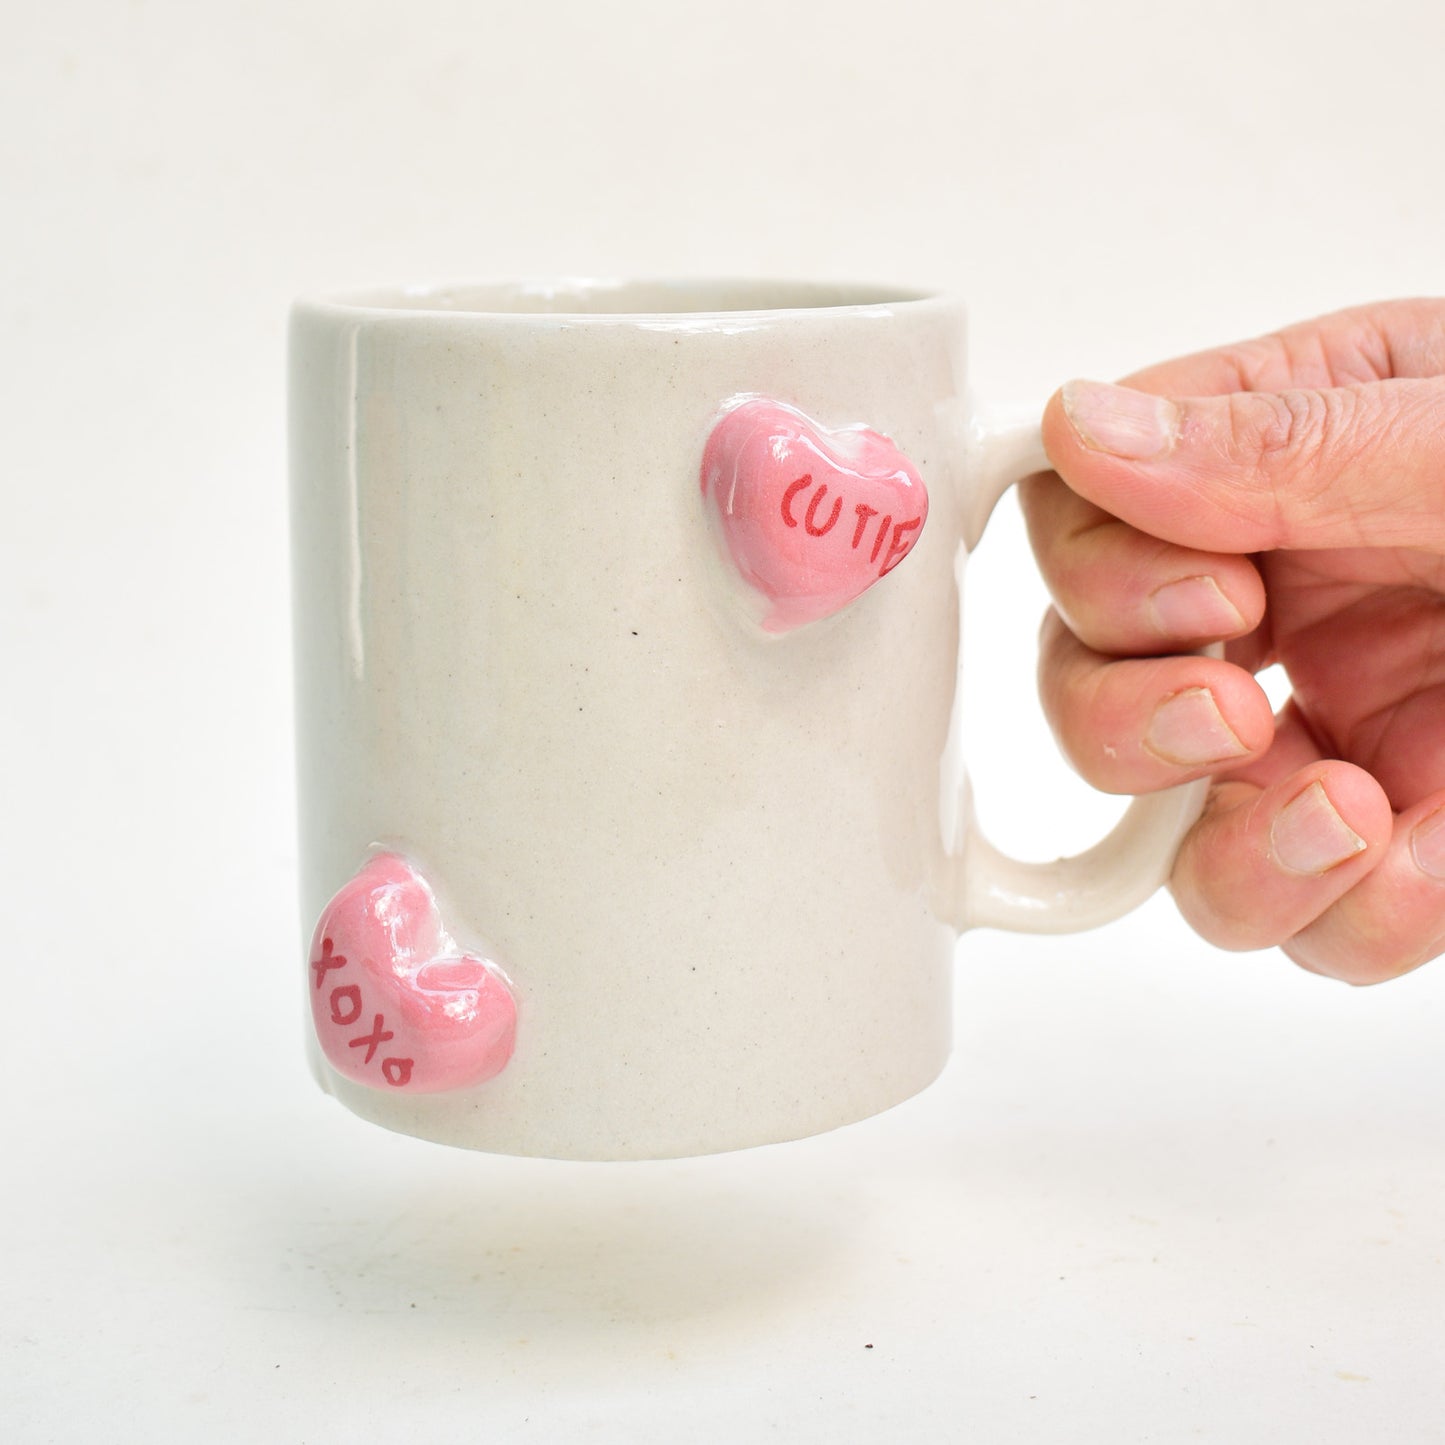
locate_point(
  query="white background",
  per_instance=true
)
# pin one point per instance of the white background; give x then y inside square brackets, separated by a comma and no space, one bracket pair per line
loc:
[1161,1194]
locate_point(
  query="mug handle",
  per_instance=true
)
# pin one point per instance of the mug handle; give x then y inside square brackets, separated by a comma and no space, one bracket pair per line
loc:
[1114,876]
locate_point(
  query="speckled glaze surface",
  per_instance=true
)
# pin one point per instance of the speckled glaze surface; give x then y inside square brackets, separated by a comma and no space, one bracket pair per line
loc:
[724,867]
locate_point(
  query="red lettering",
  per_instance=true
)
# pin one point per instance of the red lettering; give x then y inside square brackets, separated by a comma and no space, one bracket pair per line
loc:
[878,540]
[863,512]
[898,549]
[809,520]
[374,1040]
[396,1072]
[326,960]
[351,995]
[793,490]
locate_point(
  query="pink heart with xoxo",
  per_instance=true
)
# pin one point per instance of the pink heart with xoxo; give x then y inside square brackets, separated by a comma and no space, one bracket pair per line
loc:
[396,1005]
[812,518]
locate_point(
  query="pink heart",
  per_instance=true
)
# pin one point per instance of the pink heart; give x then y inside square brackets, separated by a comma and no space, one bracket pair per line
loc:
[396,1005]
[812,518]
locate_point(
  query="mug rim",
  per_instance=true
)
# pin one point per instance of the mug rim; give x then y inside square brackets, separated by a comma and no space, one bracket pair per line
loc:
[622,300]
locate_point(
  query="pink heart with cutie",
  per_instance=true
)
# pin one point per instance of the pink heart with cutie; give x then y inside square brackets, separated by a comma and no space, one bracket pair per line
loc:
[812,518]
[396,1004]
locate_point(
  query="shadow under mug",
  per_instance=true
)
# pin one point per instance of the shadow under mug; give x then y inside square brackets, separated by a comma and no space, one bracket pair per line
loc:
[634,821]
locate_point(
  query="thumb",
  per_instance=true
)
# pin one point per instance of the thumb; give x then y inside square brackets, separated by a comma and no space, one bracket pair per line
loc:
[1351,466]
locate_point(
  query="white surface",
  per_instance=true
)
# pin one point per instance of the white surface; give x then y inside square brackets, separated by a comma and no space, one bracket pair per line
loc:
[1161,1194]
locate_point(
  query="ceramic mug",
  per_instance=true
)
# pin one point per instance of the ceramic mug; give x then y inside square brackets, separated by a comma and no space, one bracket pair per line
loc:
[633,816]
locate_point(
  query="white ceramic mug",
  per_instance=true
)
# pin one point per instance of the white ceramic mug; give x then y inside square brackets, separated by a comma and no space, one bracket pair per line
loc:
[633,817]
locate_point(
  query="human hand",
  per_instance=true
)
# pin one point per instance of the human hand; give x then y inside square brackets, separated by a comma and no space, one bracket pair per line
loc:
[1286,495]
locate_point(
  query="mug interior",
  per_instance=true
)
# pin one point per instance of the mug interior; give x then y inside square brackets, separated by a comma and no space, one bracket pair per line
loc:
[589,297]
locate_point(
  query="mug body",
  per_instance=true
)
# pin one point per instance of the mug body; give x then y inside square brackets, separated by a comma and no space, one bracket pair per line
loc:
[705,856]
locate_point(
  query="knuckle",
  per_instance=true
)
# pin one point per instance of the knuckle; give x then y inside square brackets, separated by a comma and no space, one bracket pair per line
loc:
[1219,919]
[1294,445]
[1271,428]
[1230,918]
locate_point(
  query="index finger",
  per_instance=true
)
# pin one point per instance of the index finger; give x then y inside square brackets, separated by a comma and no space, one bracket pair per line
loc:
[1390,339]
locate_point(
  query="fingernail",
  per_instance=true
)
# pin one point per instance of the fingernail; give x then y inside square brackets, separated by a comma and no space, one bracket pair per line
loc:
[1120,421]
[1427,844]
[1310,837]
[1189,731]
[1195,607]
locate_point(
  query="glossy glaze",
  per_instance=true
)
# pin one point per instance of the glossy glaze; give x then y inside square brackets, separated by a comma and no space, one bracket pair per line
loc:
[397,1005]
[726,868]
[811,517]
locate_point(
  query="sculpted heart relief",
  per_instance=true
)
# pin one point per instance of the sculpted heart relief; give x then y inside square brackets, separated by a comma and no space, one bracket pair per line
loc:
[812,518]
[396,1004]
